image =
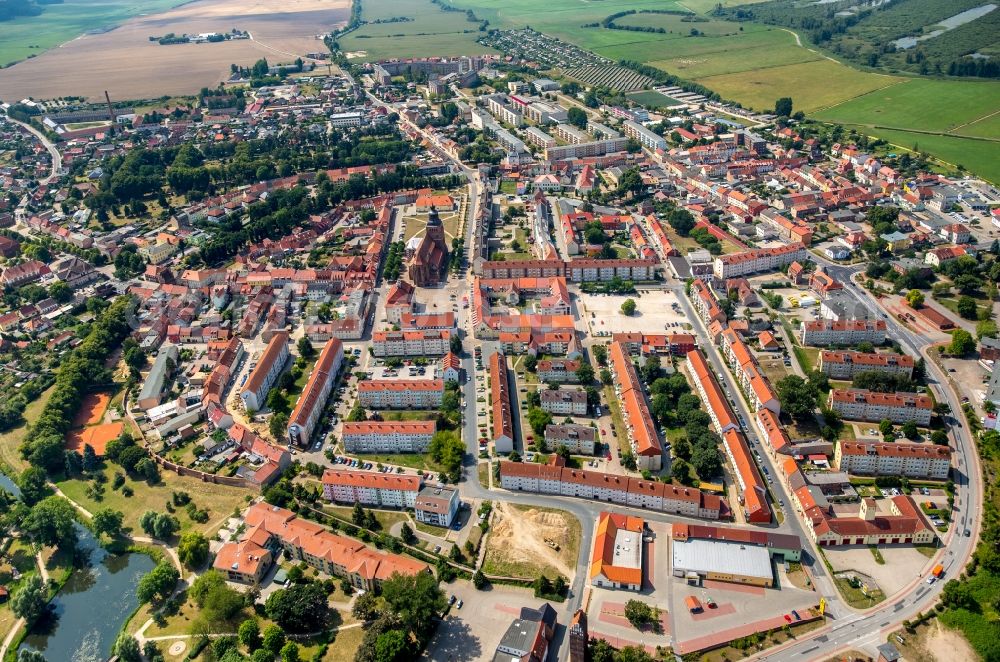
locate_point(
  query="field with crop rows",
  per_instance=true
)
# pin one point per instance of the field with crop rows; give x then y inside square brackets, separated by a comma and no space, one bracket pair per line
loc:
[615,78]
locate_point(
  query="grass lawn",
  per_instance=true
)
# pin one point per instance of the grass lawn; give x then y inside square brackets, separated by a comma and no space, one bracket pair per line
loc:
[345,645]
[386,518]
[436,531]
[420,461]
[508,187]
[617,420]
[218,499]
[19,556]
[855,597]
[11,440]
[484,473]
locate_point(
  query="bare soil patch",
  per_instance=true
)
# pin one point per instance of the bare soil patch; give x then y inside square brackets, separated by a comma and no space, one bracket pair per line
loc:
[517,542]
[130,66]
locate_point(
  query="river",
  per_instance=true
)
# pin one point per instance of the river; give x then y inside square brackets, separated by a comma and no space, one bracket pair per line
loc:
[92,606]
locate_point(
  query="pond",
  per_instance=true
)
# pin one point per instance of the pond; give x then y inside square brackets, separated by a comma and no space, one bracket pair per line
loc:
[947,24]
[9,485]
[92,606]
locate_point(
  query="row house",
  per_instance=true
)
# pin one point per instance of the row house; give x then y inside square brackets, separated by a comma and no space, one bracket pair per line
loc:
[899,408]
[312,400]
[500,405]
[612,488]
[705,303]
[746,369]
[659,344]
[271,364]
[643,436]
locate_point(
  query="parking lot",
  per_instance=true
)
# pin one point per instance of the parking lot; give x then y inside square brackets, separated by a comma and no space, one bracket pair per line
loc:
[473,631]
[654,313]
[903,564]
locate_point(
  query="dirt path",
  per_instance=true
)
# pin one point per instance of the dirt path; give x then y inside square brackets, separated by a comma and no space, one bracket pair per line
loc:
[522,534]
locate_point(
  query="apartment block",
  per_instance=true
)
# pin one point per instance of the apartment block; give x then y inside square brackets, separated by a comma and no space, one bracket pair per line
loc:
[757,260]
[502,424]
[437,505]
[387,436]
[578,439]
[873,458]
[312,400]
[648,139]
[411,343]
[861,405]
[263,376]
[370,488]
[401,394]
[823,333]
[845,365]
[564,402]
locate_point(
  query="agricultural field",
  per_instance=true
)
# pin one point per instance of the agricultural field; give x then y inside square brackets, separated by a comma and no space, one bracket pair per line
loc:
[978,156]
[924,104]
[812,85]
[30,36]
[615,78]
[130,66]
[428,31]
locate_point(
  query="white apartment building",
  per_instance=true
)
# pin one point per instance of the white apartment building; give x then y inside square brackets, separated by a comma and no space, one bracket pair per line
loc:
[564,402]
[371,489]
[401,394]
[411,343]
[861,405]
[571,134]
[757,260]
[387,436]
[844,365]
[542,112]
[578,439]
[648,139]
[873,458]
[539,138]
[437,505]
[262,378]
[821,333]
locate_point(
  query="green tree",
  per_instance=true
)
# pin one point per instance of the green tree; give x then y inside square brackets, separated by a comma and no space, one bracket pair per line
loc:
[585,373]
[783,107]
[193,549]
[31,482]
[365,607]
[107,522]
[915,298]
[967,307]
[392,646]
[249,634]
[628,307]
[416,599]
[638,613]
[290,652]
[538,419]
[577,117]
[273,639]
[158,584]
[299,608]
[278,425]
[127,648]
[52,522]
[479,580]
[31,600]
[798,397]
[986,329]
[530,362]
[305,347]
[962,343]
[910,430]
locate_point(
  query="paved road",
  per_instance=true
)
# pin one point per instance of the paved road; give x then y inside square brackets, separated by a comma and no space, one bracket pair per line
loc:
[53,152]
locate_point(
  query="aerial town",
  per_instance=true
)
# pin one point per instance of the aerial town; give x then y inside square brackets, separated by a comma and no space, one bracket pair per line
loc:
[441,358]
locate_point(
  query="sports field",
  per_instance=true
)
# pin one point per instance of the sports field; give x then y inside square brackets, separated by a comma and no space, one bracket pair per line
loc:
[653,99]
[58,23]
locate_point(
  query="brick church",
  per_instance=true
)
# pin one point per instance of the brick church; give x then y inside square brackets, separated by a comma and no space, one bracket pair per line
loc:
[429,265]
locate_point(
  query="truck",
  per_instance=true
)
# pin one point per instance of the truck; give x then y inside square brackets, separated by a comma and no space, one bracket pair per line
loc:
[693,604]
[938,571]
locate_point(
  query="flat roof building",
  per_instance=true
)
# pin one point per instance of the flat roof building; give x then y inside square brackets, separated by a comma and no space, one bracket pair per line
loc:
[722,560]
